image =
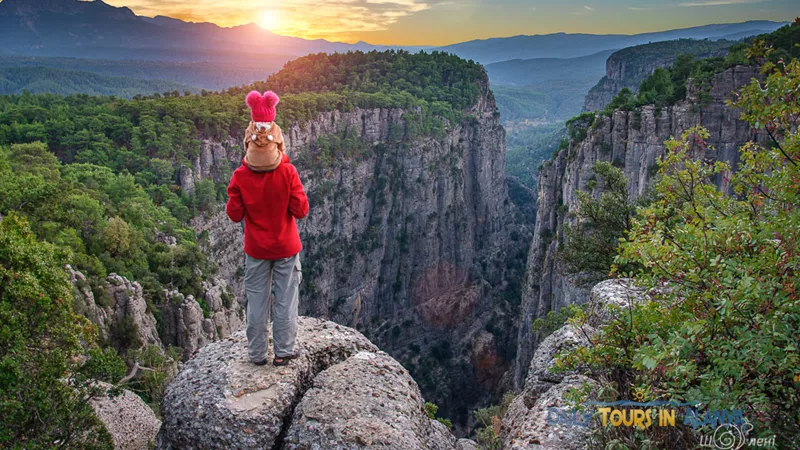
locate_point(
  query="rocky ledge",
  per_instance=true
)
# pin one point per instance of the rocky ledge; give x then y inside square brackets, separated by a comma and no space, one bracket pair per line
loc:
[341,393]
[525,424]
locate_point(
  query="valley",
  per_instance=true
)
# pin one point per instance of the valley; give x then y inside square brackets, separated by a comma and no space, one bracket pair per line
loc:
[479,214]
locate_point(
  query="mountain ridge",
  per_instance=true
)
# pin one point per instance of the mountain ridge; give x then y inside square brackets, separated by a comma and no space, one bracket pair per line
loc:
[95,28]
[572,45]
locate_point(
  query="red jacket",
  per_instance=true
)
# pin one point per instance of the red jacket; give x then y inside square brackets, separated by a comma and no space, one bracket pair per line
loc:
[269,202]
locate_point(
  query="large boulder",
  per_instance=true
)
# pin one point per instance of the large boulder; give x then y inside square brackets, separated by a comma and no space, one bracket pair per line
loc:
[367,401]
[609,297]
[335,395]
[131,423]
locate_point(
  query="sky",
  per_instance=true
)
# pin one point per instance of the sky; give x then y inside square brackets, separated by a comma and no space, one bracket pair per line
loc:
[441,22]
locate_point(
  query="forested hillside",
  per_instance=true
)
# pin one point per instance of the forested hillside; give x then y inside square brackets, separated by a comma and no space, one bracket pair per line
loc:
[42,80]
[628,67]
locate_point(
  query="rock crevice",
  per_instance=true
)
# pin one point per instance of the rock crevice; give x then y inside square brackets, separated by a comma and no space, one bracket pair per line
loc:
[341,393]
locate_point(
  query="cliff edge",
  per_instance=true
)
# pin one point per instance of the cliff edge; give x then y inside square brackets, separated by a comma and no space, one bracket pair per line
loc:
[341,393]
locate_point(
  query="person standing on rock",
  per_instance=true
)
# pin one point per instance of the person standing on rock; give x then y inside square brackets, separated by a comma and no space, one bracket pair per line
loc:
[267,193]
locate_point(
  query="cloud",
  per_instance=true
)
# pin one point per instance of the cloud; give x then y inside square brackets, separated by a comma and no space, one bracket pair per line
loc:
[635,8]
[304,18]
[721,3]
[586,11]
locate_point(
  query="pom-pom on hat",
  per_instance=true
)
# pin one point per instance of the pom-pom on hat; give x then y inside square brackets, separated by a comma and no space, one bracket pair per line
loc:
[262,107]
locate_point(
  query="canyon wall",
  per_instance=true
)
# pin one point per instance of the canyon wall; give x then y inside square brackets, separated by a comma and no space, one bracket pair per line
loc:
[633,141]
[409,239]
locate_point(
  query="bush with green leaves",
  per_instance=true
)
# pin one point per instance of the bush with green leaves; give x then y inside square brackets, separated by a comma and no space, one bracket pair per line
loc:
[431,409]
[724,269]
[487,421]
[590,245]
[44,385]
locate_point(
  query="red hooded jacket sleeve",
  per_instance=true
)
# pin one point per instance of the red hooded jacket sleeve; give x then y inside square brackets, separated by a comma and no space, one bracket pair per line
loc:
[234,208]
[298,201]
[269,203]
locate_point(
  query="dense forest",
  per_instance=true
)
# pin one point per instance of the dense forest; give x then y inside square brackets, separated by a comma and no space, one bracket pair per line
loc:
[42,80]
[93,182]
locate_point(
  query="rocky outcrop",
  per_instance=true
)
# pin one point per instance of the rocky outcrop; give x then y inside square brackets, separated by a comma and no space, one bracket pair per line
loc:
[366,401]
[526,424]
[124,319]
[341,393]
[633,141]
[85,304]
[407,237]
[130,305]
[608,298]
[627,68]
[131,423]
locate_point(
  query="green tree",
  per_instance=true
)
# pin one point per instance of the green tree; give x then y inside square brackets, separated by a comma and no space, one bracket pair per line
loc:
[163,169]
[43,400]
[117,236]
[590,245]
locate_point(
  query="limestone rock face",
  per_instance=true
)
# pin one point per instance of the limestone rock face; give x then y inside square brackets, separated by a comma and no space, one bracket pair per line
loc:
[634,141]
[341,393]
[129,303]
[86,305]
[183,322]
[131,423]
[629,67]
[367,401]
[524,426]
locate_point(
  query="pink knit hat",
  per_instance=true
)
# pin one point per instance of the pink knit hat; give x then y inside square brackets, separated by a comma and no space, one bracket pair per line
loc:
[262,107]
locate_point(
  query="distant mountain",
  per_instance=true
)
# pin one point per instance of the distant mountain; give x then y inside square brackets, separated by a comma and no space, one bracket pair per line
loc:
[544,89]
[562,45]
[39,80]
[211,76]
[629,67]
[96,29]
[537,70]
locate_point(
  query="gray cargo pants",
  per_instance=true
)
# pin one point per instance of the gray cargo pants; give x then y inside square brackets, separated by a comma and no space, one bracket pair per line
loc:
[281,277]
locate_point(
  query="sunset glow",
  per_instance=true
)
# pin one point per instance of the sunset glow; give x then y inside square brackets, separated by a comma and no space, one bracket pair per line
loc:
[439,22]
[269,21]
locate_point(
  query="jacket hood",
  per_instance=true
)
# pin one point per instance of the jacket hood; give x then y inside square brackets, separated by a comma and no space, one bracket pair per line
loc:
[284,159]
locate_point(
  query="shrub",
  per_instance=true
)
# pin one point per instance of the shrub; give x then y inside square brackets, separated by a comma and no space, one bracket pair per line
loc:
[590,245]
[41,341]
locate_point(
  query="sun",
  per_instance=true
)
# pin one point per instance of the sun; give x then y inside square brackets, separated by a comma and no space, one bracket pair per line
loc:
[269,20]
